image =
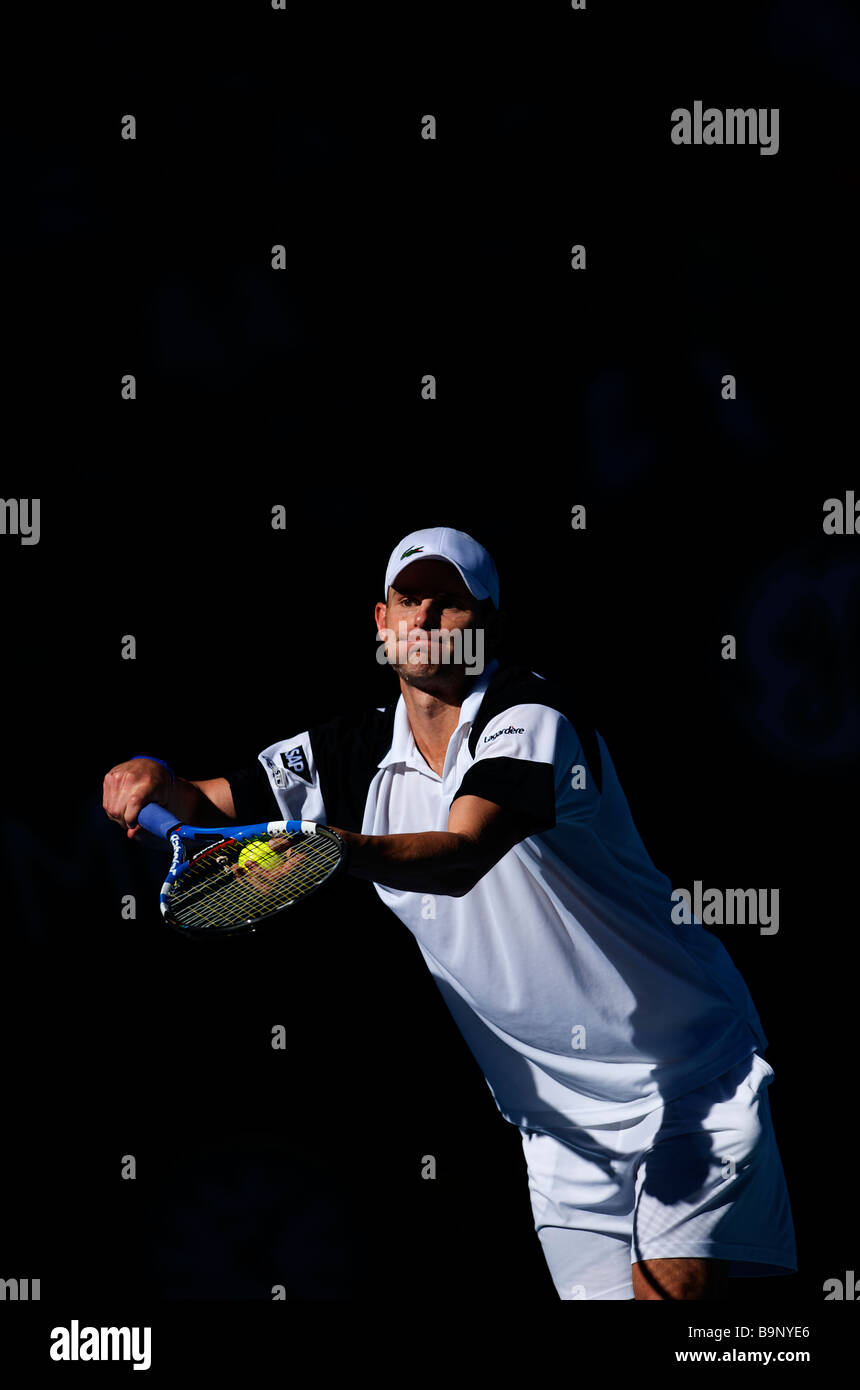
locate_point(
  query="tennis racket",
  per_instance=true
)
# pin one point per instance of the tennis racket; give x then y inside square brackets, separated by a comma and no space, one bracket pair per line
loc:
[228,879]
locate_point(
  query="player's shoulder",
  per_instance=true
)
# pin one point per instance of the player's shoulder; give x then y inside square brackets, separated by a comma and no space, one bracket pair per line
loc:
[347,751]
[366,727]
[512,685]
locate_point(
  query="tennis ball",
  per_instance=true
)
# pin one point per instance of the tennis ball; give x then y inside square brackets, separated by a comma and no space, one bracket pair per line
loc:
[257,854]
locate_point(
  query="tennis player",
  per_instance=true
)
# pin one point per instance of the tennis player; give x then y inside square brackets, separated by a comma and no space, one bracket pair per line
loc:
[489,815]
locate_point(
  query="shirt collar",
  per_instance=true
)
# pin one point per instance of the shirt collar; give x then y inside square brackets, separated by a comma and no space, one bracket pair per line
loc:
[403,749]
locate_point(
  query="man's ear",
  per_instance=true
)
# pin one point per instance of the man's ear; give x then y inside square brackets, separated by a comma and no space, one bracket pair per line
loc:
[495,625]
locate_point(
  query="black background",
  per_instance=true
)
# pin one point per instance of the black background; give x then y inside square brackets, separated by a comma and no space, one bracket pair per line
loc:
[302,388]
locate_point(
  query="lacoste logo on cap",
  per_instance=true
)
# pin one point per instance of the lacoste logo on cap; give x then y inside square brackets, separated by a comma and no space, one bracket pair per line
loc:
[413,550]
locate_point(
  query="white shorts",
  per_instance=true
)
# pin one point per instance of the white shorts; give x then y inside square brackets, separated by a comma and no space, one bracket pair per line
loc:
[699,1177]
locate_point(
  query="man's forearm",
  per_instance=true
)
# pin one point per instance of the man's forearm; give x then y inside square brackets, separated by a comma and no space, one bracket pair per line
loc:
[431,861]
[191,806]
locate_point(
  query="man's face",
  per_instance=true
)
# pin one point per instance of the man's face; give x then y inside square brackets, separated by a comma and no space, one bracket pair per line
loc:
[428,603]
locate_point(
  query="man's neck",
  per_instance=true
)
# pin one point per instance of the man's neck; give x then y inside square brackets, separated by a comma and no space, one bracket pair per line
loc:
[433,716]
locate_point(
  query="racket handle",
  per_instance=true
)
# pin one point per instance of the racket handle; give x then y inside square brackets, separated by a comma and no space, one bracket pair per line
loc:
[156,820]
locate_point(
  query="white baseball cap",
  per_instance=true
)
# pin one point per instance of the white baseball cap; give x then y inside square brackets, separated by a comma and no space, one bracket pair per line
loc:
[474,563]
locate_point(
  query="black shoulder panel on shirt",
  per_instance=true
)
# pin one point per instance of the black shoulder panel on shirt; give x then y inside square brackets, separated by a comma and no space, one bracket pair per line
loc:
[346,752]
[517,685]
[515,784]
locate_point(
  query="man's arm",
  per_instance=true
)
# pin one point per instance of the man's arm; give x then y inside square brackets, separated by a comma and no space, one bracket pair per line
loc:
[449,862]
[130,785]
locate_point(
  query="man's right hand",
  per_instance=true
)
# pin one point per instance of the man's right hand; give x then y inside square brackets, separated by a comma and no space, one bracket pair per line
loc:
[130,786]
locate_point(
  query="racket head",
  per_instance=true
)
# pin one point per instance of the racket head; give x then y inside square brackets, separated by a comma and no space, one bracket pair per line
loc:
[228,882]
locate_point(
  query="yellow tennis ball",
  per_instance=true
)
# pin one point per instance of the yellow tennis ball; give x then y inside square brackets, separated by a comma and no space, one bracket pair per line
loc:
[257,854]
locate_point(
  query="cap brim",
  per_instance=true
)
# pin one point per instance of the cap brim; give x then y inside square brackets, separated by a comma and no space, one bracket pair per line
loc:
[434,555]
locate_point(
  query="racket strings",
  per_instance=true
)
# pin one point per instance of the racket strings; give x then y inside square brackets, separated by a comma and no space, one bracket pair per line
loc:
[216,891]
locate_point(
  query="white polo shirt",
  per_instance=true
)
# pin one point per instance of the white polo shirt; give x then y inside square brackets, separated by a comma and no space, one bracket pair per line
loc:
[579,997]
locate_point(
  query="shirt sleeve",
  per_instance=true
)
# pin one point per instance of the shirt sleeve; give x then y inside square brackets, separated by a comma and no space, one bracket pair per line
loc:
[529,759]
[283,785]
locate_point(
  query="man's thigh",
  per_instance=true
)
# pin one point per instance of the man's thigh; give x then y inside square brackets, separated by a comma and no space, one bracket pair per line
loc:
[582,1190]
[710,1190]
[658,1209]
[586,1265]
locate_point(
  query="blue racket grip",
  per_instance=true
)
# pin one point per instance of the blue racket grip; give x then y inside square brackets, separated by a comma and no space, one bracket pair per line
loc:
[156,820]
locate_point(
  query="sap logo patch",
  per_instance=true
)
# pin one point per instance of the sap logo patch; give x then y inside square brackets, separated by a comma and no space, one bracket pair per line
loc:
[295,761]
[488,738]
